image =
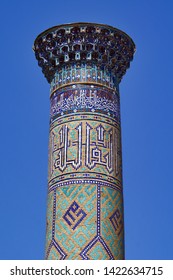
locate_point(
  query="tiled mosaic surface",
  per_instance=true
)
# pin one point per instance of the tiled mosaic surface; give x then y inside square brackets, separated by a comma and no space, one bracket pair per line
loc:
[85,98]
[85,208]
[85,221]
[84,73]
[85,146]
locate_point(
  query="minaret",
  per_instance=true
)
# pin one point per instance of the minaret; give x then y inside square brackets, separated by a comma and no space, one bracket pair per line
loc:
[84,64]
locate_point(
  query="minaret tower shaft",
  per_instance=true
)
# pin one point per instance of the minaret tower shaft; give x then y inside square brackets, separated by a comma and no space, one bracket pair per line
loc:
[84,64]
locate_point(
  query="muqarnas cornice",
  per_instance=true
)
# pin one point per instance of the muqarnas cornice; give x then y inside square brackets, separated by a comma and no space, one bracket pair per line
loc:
[81,44]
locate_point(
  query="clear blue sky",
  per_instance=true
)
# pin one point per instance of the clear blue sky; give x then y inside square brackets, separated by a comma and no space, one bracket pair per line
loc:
[146,113]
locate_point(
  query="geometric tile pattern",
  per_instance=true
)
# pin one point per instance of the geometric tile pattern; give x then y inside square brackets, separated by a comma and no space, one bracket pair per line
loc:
[94,237]
[85,207]
[74,215]
[83,73]
[84,145]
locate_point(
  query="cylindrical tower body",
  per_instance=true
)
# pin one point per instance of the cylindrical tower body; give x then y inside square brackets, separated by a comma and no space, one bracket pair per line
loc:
[84,64]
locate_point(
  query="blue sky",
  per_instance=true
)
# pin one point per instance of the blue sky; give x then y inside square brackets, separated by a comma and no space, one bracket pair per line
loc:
[146,113]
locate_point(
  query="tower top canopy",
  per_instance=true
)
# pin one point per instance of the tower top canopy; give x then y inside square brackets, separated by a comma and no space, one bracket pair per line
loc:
[83,43]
